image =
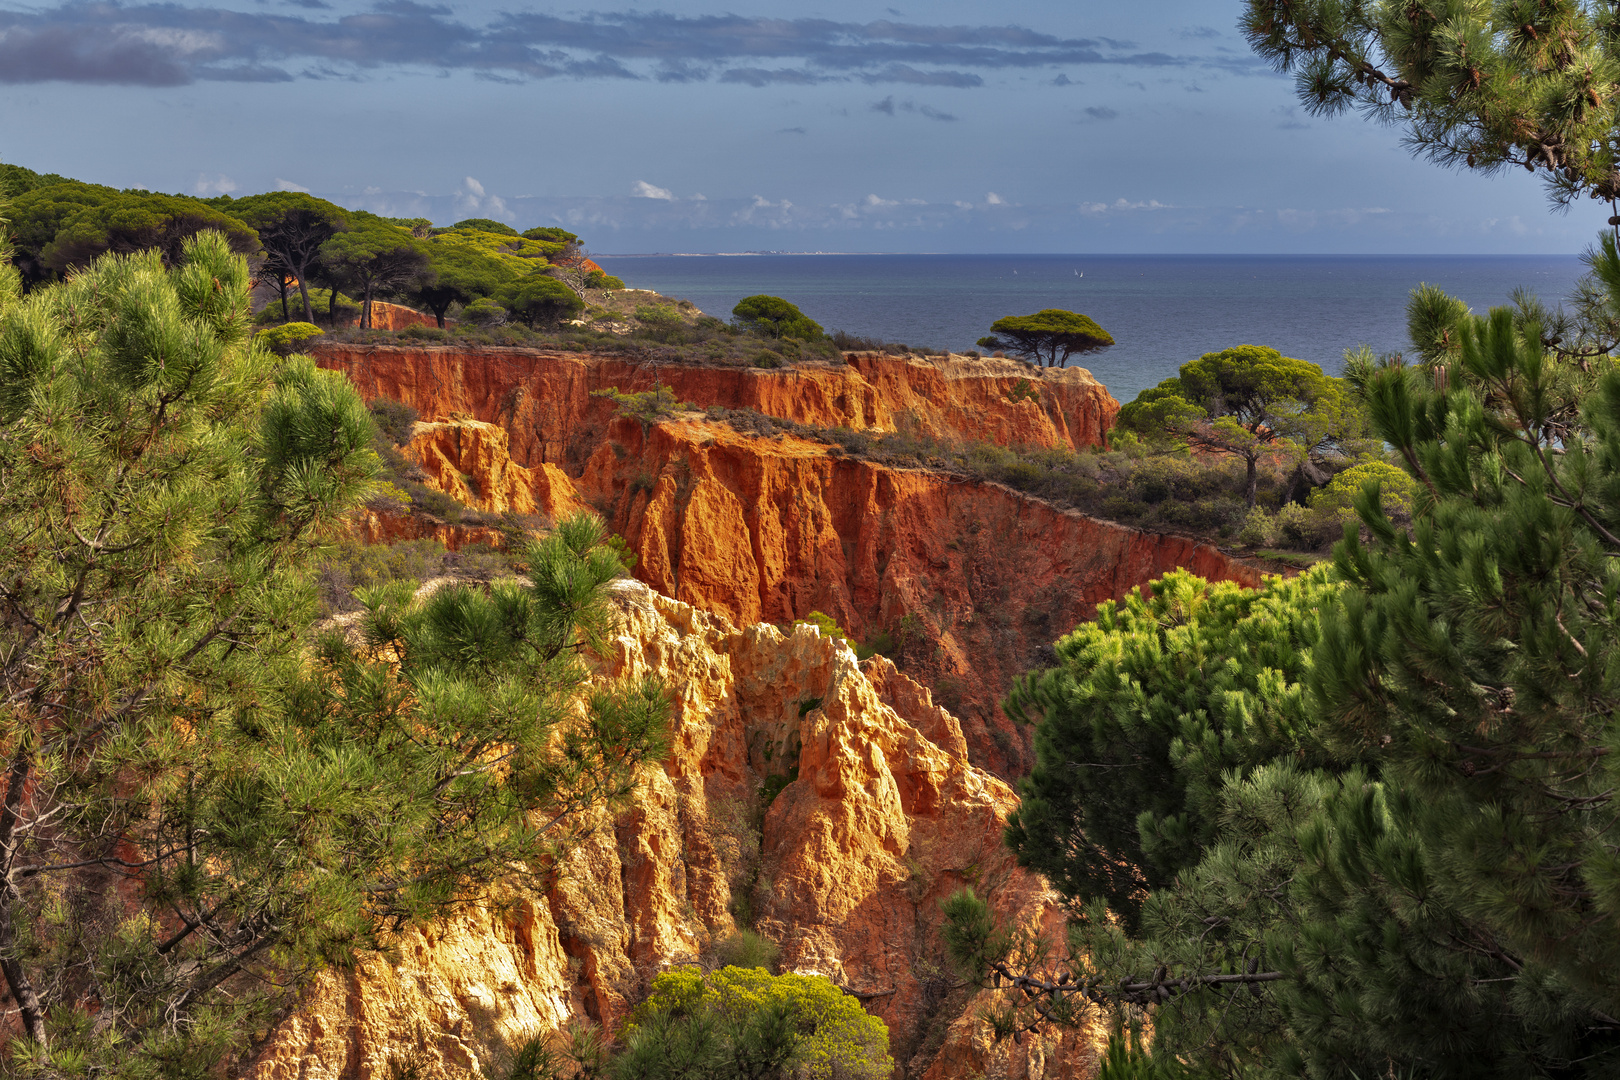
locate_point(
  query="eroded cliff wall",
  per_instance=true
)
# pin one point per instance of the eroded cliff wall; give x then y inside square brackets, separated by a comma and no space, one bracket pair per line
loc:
[885,818]
[972,581]
[544,400]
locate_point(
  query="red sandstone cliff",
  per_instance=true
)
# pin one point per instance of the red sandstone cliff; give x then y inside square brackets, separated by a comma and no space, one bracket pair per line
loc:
[973,580]
[543,399]
[886,818]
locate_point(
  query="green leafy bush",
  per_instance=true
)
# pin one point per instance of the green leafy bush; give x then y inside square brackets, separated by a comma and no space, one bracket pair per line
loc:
[395,420]
[647,406]
[285,339]
[739,1023]
[746,949]
[484,312]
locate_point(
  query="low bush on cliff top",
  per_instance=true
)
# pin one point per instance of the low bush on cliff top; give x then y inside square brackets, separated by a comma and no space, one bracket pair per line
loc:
[1156,491]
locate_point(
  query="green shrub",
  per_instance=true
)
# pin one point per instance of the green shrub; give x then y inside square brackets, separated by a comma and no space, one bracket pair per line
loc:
[418,332]
[1259,528]
[483,312]
[394,419]
[284,340]
[774,785]
[353,565]
[647,406]
[765,358]
[1298,528]
[1334,503]
[660,322]
[601,279]
[746,949]
[744,1022]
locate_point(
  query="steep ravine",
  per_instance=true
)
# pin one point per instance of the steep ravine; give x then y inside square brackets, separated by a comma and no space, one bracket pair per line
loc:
[972,580]
[885,818]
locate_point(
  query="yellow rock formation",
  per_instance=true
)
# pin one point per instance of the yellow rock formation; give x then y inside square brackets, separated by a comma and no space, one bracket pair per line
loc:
[885,818]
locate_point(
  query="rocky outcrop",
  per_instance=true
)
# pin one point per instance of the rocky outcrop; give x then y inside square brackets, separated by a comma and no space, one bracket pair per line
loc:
[387,523]
[544,401]
[882,816]
[469,460]
[385,316]
[970,581]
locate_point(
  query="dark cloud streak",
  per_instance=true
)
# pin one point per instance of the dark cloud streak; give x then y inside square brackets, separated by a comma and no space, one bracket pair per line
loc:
[164,44]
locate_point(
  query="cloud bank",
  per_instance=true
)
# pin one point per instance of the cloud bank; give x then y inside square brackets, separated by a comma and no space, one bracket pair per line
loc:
[163,44]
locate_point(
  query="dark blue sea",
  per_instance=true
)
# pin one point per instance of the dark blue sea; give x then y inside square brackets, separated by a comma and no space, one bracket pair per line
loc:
[1162,310]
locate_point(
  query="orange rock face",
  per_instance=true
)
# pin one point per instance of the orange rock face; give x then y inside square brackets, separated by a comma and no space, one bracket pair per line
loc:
[468,460]
[374,525]
[885,818]
[972,580]
[544,400]
[397,317]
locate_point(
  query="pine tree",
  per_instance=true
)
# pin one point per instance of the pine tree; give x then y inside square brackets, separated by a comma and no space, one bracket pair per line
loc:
[1150,706]
[198,811]
[1424,883]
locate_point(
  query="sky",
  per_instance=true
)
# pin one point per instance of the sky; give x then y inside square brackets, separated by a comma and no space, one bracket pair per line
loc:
[729,125]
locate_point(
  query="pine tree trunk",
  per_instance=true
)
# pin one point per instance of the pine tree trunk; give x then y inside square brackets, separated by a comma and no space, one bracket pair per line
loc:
[1252,482]
[303,291]
[22,990]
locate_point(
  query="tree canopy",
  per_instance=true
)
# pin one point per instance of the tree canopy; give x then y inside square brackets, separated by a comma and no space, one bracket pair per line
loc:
[489,225]
[1047,337]
[1247,401]
[1161,696]
[68,224]
[1370,836]
[457,274]
[774,317]
[376,256]
[540,299]
[550,234]
[292,226]
[1480,86]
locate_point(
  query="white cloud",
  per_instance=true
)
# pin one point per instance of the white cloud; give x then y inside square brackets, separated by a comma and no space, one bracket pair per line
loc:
[214,184]
[473,186]
[644,190]
[875,201]
[288,185]
[995,200]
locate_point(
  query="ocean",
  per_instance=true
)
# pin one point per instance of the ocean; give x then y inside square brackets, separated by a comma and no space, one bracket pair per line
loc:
[1162,310]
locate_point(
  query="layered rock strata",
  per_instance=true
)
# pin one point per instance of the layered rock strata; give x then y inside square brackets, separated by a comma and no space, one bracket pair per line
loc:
[969,581]
[544,401]
[881,817]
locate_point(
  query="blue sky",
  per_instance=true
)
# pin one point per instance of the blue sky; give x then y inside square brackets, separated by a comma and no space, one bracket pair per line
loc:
[703,125]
